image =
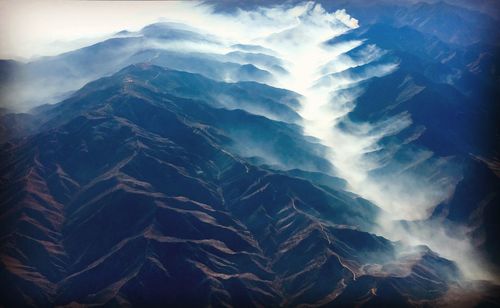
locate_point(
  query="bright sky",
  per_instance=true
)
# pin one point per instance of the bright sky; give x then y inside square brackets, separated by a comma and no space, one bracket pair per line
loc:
[45,27]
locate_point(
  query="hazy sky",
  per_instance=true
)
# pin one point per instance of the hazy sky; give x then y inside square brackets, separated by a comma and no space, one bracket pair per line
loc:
[45,27]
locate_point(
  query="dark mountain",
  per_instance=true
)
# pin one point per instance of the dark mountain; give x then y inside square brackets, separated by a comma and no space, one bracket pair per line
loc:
[150,174]
[17,124]
[252,133]
[450,23]
[472,69]
[454,112]
[253,97]
[453,21]
[129,194]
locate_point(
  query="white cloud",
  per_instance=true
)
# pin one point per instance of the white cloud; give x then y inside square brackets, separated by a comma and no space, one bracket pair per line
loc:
[408,187]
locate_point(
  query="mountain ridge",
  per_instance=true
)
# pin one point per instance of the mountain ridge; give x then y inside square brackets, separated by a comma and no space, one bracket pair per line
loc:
[145,157]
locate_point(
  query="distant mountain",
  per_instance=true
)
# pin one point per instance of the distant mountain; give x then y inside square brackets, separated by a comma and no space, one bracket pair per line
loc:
[51,79]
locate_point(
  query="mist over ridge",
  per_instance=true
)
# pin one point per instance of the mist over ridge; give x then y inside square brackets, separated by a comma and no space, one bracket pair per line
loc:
[297,153]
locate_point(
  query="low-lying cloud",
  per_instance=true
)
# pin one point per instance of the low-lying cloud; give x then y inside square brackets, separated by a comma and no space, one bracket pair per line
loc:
[405,181]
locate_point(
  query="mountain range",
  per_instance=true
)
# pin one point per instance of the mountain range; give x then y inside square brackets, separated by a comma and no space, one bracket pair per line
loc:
[168,167]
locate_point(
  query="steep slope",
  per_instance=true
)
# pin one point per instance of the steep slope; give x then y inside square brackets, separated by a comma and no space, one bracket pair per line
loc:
[253,133]
[137,199]
[448,119]
[172,186]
